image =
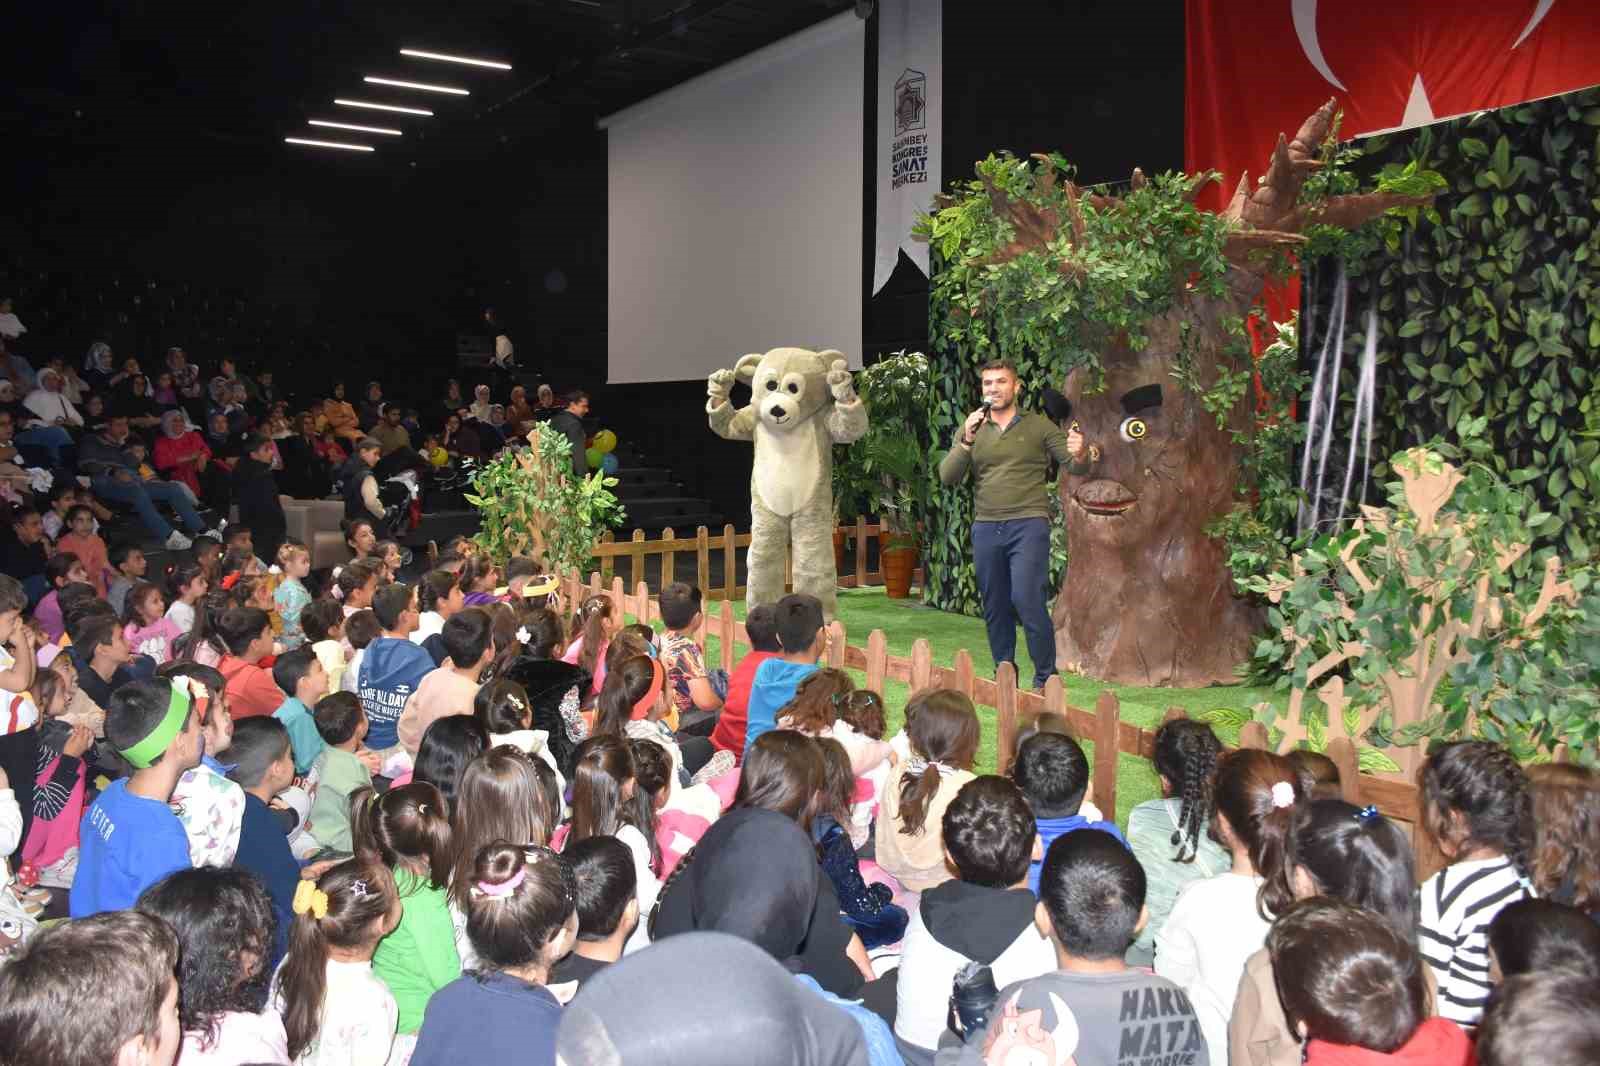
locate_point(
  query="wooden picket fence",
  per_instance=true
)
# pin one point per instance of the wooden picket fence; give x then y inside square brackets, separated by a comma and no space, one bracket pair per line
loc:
[1103,725]
[723,586]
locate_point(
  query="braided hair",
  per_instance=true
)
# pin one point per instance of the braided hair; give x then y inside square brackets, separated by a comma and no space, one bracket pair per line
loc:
[1186,755]
[1475,793]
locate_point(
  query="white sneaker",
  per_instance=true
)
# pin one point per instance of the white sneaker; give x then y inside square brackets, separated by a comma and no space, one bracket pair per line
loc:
[177,542]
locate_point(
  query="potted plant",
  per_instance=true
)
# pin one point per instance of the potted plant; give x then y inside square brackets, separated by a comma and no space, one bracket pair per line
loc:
[891,460]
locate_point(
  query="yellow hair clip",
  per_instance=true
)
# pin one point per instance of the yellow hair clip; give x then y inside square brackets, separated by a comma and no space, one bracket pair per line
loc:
[309,898]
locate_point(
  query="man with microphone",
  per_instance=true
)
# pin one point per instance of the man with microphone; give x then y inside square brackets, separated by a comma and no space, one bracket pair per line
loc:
[1009,452]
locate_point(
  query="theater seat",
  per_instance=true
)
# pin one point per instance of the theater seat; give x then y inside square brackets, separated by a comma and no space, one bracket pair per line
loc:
[318,525]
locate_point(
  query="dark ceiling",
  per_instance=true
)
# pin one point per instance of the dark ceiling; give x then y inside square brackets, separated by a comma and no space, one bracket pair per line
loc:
[110,73]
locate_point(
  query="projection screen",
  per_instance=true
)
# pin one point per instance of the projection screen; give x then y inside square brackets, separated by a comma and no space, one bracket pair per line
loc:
[734,211]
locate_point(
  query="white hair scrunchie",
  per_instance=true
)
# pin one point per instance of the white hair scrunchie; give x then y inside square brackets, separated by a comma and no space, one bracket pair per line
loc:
[1282,795]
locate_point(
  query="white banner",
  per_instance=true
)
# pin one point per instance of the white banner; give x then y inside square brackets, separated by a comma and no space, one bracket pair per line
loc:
[910,46]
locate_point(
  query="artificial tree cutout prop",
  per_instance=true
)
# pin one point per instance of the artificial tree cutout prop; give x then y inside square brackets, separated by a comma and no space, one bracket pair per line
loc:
[1147,598]
[1406,687]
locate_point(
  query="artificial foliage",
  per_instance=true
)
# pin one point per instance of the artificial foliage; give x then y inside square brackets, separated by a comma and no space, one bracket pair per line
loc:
[1417,623]
[530,504]
[1140,299]
[884,472]
[1489,309]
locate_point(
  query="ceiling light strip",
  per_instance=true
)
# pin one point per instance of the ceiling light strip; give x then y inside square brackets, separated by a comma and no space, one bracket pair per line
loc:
[384,107]
[329,144]
[351,126]
[418,85]
[416,53]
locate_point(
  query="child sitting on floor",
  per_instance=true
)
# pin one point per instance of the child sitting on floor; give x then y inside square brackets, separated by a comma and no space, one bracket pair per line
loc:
[1091,896]
[1053,773]
[521,919]
[336,1011]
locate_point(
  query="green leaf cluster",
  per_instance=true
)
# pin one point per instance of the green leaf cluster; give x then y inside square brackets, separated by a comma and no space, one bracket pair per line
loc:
[530,504]
[885,472]
[1489,308]
[1528,681]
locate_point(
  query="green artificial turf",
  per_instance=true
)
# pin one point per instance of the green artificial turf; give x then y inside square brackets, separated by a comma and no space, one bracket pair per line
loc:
[904,621]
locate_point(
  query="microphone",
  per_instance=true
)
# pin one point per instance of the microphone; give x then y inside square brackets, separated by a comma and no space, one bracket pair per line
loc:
[987,405]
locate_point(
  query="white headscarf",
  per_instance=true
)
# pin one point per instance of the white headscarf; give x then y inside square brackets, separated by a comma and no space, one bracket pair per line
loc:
[99,357]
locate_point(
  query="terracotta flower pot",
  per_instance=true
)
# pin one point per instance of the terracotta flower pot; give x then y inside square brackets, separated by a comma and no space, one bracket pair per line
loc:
[898,566]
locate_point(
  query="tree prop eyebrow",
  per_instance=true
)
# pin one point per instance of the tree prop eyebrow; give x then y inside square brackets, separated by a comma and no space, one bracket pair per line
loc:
[1136,400]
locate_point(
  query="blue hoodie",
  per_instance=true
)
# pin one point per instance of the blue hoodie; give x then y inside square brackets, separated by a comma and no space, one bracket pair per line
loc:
[774,685]
[390,672]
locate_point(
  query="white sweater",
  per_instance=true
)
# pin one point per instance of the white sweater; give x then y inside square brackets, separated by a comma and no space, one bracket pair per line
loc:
[1212,931]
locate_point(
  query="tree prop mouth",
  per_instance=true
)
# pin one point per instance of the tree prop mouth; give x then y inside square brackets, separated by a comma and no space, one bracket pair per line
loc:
[1105,498]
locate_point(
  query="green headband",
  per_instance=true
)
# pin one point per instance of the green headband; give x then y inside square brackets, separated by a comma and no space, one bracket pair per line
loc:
[155,743]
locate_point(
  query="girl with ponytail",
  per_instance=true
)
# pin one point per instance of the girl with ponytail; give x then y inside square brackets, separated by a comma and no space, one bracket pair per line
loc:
[942,727]
[1217,923]
[1331,849]
[522,918]
[1169,836]
[407,829]
[335,1009]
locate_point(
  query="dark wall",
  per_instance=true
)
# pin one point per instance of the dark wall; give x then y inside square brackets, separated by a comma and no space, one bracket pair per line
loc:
[381,263]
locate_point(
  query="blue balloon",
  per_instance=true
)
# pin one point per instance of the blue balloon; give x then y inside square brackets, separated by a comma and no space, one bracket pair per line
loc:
[608,463]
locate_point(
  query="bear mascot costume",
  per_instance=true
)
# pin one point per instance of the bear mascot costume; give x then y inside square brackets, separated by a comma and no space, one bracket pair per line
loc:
[802,403]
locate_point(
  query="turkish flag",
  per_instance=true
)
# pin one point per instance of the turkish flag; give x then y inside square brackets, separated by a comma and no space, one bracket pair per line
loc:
[1257,69]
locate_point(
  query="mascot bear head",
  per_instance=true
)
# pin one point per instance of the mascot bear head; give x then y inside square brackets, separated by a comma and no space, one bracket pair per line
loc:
[787,385]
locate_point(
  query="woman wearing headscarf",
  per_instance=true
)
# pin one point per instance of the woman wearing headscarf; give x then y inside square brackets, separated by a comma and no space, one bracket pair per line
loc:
[481,406]
[754,874]
[98,368]
[745,1008]
[181,454]
[49,406]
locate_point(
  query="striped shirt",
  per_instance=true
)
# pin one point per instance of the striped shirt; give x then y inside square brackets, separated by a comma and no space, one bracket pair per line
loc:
[1457,905]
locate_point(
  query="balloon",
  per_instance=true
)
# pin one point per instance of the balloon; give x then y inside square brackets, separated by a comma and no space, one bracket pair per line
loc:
[605,441]
[594,457]
[608,463]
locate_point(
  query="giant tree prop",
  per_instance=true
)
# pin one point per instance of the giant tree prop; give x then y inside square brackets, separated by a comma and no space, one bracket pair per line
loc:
[1139,300]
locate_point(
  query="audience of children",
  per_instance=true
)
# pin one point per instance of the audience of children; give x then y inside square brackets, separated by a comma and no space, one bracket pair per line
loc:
[1283,924]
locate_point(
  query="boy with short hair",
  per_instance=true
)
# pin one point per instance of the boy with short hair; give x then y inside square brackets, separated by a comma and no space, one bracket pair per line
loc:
[519,569]
[303,680]
[803,636]
[360,630]
[607,903]
[262,763]
[391,667]
[1091,1007]
[985,915]
[130,838]
[1053,773]
[247,634]
[342,724]
[761,624]
[128,560]
[101,653]
[696,693]
[449,689]
[255,491]
[128,958]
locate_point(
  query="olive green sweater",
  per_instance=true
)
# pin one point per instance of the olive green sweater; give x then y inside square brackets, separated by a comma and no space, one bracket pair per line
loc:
[1010,467]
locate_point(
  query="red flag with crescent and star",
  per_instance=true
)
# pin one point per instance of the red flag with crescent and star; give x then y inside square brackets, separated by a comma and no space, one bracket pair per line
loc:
[1257,68]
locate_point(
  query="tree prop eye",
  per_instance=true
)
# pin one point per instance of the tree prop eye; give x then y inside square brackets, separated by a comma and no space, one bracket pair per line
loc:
[1074,427]
[1134,429]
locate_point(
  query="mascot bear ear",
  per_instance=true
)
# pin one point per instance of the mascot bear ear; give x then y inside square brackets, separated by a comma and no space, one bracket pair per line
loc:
[745,369]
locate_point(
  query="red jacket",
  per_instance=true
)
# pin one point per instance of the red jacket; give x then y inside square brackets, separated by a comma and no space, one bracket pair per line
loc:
[170,453]
[731,723]
[1437,1042]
